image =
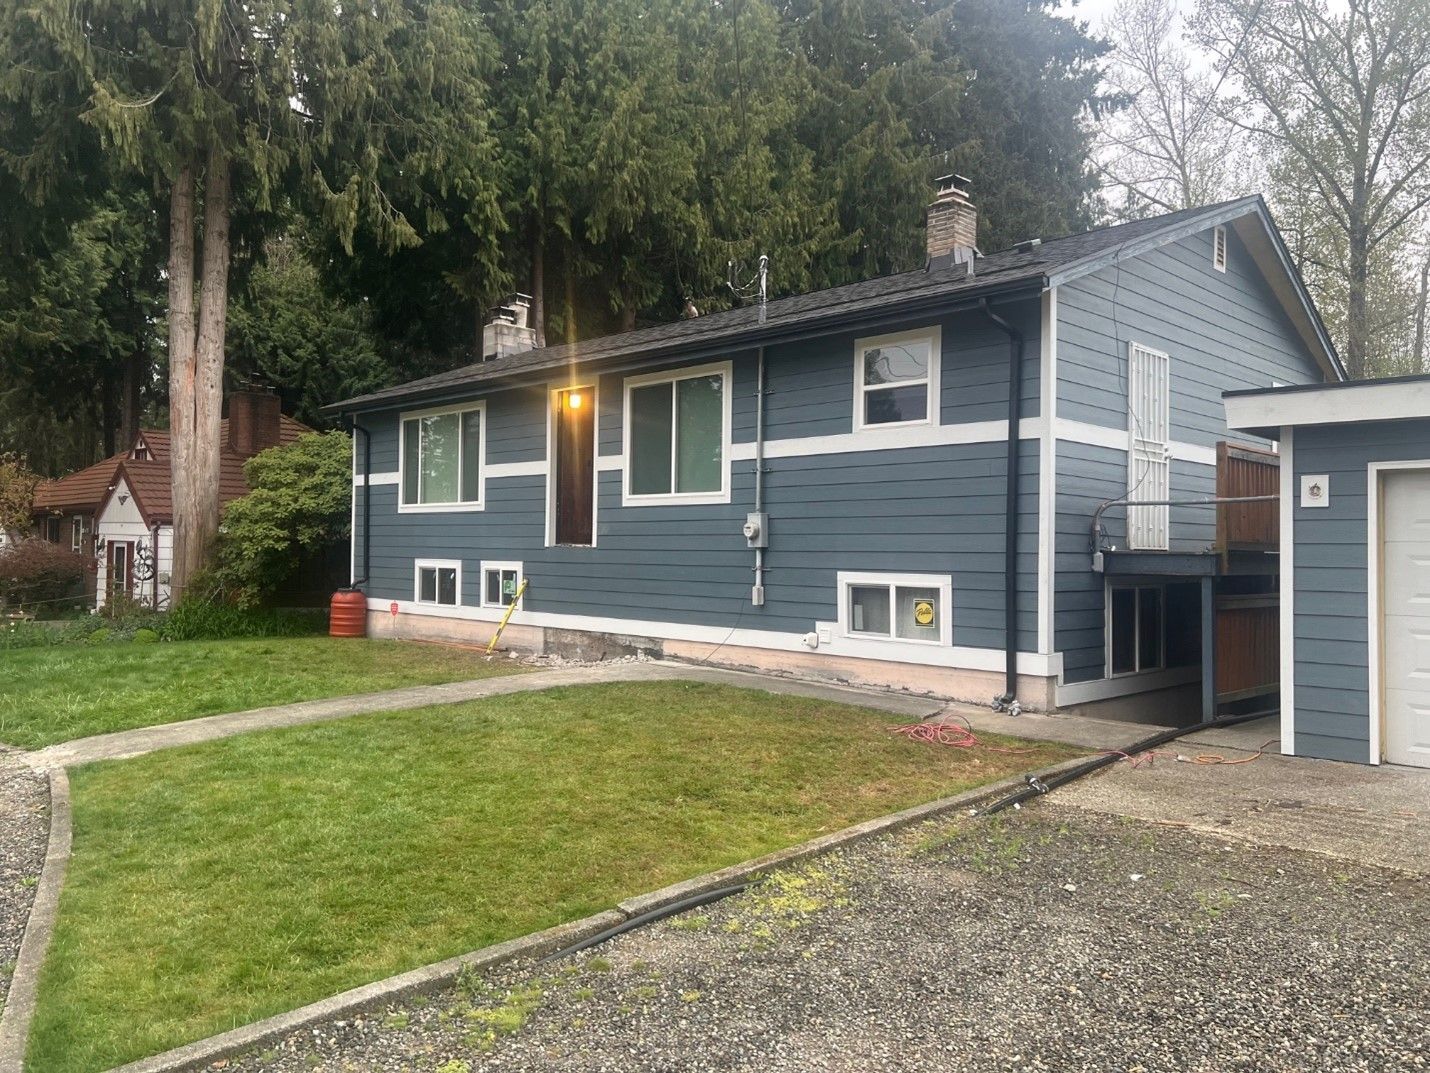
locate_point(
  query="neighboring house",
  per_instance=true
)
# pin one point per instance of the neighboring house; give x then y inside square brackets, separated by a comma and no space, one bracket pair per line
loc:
[1355,549]
[823,486]
[118,513]
[135,521]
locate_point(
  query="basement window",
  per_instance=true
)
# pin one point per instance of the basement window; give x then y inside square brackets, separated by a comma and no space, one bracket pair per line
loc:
[438,581]
[896,379]
[440,457]
[500,584]
[1219,249]
[896,607]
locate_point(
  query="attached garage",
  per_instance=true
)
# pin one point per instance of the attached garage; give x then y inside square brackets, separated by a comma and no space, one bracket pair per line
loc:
[1354,564]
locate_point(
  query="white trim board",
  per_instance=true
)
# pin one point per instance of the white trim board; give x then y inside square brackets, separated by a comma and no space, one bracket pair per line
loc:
[1334,404]
[1125,685]
[954,657]
[376,479]
[1372,592]
[1287,610]
[1048,474]
[1120,439]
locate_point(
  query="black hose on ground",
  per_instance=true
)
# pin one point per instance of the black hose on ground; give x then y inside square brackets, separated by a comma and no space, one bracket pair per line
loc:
[1038,787]
[640,920]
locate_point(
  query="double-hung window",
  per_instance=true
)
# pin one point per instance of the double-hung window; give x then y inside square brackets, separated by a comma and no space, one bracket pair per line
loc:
[896,379]
[438,581]
[678,436]
[441,458]
[896,607]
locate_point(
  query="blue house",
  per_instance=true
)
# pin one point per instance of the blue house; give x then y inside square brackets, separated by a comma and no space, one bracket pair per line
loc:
[1355,549]
[894,482]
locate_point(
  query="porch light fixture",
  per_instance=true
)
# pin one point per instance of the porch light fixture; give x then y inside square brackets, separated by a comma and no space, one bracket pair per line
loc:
[574,400]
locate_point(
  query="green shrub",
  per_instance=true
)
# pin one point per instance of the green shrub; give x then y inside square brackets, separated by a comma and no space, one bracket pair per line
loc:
[99,636]
[145,636]
[209,620]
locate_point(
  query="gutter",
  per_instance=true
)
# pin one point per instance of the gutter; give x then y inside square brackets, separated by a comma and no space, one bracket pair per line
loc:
[722,345]
[1009,699]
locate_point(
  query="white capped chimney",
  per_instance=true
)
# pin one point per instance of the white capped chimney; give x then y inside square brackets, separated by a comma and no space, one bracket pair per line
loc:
[952,224]
[508,329]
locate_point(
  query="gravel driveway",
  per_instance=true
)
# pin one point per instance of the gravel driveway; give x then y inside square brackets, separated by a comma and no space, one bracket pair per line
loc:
[24,831]
[1055,939]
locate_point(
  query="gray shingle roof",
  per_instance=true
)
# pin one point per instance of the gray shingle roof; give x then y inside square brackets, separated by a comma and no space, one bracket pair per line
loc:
[1011,269]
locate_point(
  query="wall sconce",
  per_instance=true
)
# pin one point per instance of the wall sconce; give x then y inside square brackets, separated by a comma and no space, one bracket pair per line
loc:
[574,400]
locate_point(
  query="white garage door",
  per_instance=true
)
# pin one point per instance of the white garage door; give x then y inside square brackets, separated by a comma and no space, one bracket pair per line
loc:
[1405,604]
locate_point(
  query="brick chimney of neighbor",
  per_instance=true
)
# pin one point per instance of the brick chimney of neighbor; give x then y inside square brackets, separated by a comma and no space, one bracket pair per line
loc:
[952,224]
[508,329]
[253,418]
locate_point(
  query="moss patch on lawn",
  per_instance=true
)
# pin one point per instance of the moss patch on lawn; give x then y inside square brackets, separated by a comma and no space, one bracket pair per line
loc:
[220,883]
[65,692]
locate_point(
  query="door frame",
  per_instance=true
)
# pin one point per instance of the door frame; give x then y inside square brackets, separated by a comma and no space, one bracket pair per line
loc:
[552,477]
[126,584]
[1375,625]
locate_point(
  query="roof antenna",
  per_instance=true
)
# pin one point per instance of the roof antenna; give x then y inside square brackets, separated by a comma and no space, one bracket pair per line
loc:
[758,287]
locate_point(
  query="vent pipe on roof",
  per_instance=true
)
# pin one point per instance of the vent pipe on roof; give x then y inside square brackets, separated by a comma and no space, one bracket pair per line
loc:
[508,328]
[951,228]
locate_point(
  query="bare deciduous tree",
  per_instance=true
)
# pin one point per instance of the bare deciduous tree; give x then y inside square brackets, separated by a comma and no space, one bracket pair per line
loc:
[1169,147]
[1340,97]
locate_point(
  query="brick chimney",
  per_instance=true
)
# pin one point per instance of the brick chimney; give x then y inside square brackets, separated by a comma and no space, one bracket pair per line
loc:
[508,329]
[952,224]
[253,418]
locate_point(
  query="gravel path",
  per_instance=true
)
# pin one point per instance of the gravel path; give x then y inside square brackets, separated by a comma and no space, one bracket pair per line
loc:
[24,831]
[1055,939]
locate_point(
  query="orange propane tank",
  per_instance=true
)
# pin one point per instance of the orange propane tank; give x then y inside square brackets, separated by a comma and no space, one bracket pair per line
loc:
[347,616]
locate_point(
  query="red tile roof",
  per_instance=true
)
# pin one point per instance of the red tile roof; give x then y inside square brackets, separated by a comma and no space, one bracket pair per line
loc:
[79,493]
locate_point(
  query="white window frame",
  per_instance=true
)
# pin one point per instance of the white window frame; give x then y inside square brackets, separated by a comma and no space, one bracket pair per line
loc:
[847,580]
[479,503]
[934,337]
[418,565]
[1134,584]
[77,534]
[1219,247]
[723,369]
[497,564]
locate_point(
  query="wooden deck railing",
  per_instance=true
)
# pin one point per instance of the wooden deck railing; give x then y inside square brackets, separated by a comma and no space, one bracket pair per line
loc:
[1247,471]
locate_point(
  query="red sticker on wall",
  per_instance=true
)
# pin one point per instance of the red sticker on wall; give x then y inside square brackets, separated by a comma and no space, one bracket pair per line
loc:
[393,608]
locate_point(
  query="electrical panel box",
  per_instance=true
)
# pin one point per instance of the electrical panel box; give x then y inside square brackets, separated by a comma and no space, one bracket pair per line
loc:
[757,530]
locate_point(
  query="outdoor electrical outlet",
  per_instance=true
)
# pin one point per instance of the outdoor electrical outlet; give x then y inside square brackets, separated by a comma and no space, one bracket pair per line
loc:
[757,530]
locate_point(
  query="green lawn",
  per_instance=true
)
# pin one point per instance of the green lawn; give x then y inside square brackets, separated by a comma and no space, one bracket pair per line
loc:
[71,691]
[216,884]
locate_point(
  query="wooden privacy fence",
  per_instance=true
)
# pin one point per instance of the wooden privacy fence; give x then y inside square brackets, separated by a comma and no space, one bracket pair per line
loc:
[1240,472]
[1248,646]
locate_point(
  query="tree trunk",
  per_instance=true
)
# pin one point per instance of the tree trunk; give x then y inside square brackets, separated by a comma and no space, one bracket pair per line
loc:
[109,407]
[208,362]
[1417,354]
[538,284]
[131,403]
[181,370]
[1357,327]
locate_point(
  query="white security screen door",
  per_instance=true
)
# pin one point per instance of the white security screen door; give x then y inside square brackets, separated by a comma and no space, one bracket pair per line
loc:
[1149,468]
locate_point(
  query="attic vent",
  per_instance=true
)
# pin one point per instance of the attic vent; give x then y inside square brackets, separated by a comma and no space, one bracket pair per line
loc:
[1028,245]
[1219,249]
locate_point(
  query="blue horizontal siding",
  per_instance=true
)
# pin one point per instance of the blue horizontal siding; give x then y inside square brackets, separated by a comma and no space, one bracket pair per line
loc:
[1331,578]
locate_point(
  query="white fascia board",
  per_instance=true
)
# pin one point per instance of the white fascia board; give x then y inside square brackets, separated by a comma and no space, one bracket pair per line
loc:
[1334,404]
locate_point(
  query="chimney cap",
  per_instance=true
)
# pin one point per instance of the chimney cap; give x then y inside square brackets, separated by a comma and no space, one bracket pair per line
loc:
[952,186]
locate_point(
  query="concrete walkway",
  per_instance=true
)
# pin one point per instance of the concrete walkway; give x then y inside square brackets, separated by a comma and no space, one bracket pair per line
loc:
[129,743]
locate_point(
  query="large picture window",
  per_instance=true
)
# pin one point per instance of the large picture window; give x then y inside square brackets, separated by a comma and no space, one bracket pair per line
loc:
[442,458]
[678,435]
[896,379]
